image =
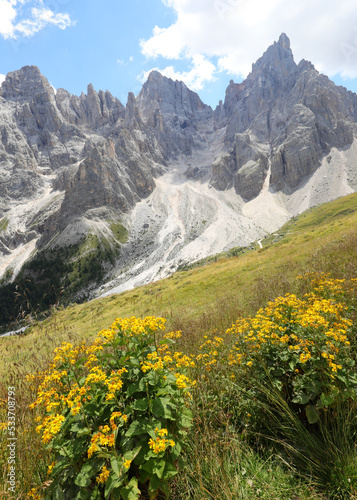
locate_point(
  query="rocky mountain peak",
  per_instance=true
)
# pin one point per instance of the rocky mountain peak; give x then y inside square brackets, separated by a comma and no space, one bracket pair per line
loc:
[277,63]
[25,84]
[284,41]
[170,97]
[174,112]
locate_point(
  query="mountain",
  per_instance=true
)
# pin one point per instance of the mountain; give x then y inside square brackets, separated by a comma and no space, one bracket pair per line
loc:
[98,197]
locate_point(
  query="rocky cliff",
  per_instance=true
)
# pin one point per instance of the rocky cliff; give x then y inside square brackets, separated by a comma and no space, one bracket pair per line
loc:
[164,179]
[284,118]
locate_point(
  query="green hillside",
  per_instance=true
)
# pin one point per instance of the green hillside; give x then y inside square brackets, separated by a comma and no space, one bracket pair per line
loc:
[206,296]
[211,295]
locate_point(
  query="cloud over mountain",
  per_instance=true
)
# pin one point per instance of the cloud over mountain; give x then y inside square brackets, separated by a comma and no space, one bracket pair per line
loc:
[234,32]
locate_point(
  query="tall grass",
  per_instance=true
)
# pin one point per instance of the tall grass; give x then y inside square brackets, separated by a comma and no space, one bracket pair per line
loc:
[220,462]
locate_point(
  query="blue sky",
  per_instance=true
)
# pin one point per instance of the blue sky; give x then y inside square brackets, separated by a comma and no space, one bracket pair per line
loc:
[113,44]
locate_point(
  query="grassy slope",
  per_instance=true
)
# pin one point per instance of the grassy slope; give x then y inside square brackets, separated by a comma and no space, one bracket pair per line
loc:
[195,301]
[212,296]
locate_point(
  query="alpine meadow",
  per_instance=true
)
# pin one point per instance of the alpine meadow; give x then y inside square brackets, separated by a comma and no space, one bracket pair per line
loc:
[179,289]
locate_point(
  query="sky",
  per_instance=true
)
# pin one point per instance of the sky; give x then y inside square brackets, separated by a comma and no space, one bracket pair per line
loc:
[114,44]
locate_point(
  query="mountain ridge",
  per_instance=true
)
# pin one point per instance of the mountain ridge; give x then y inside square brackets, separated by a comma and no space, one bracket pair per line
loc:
[183,180]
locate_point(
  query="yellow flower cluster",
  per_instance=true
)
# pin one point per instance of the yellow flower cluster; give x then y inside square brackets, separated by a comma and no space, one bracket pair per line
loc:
[33,493]
[160,443]
[117,414]
[298,329]
[103,476]
[51,426]
[163,358]
[306,326]
[101,438]
[182,381]
[153,362]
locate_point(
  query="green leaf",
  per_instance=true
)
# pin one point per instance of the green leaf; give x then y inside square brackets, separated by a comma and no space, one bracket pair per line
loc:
[130,455]
[140,404]
[167,342]
[312,414]
[92,467]
[136,428]
[142,384]
[116,465]
[133,388]
[152,378]
[186,418]
[326,400]
[131,492]
[161,409]
[134,361]
[88,495]
[155,466]
[112,482]
[82,480]
[159,468]
[157,484]
[342,378]
[170,471]
[58,494]
[301,398]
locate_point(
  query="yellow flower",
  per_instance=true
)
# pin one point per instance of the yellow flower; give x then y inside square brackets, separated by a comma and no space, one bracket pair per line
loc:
[103,476]
[50,468]
[127,464]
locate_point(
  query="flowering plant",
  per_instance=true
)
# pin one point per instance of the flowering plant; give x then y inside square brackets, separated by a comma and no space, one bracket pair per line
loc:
[301,347]
[115,413]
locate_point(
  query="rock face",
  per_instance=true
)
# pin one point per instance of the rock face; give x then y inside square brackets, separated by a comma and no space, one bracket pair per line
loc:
[286,115]
[73,166]
[177,116]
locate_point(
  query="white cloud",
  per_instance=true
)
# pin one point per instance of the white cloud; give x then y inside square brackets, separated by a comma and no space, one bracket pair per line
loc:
[202,70]
[17,21]
[2,78]
[237,32]
[121,61]
[7,17]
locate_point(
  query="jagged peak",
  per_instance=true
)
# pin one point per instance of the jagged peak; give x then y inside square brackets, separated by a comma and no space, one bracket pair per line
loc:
[278,56]
[24,83]
[284,41]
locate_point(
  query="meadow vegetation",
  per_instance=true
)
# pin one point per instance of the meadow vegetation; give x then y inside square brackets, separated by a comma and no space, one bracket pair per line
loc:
[249,392]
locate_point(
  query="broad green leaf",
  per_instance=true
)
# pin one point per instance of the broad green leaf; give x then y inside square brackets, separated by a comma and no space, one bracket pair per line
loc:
[301,398]
[82,480]
[85,494]
[136,428]
[149,465]
[159,468]
[142,384]
[116,465]
[157,484]
[131,492]
[170,471]
[326,400]
[112,482]
[91,468]
[161,409]
[312,414]
[58,494]
[140,404]
[130,455]
[133,388]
